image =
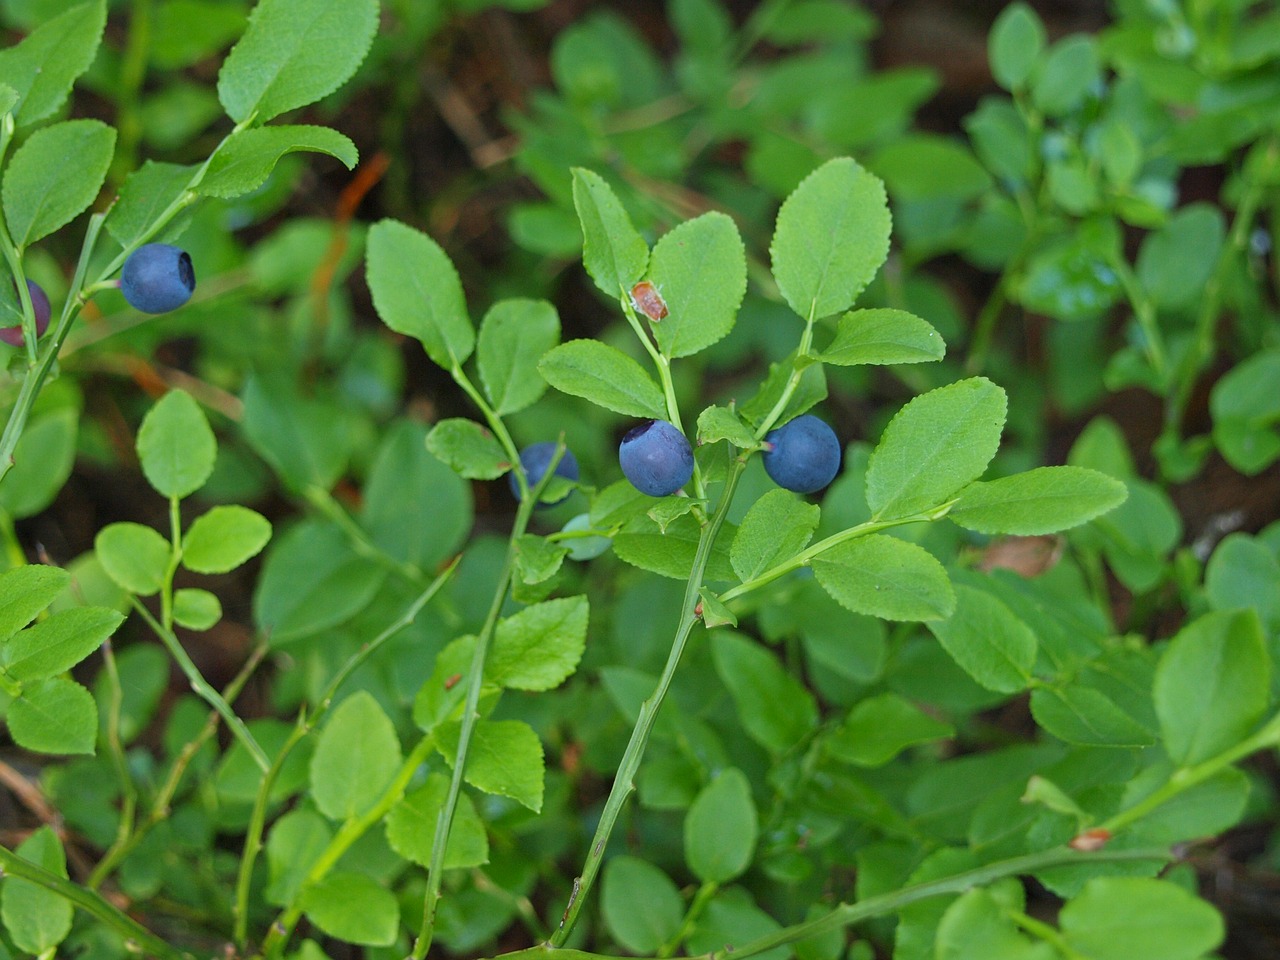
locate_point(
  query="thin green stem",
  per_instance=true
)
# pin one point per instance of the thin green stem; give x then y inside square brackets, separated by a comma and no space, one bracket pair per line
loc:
[793,381]
[306,723]
[323,501]
[699,904]
[175,558]
[133,70]
[624,780]
[129,792]
[495,422]
[202,688]
[91,903]
[1145,313]
[1046,932]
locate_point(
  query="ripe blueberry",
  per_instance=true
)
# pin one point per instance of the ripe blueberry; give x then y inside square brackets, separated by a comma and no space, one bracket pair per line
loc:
[656,458]
[534,460]
[157,278]
[40,303]
[804,455]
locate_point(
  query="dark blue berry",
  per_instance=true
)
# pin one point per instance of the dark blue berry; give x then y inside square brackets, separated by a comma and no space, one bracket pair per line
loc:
[803,455]
[40,303]
[534,460]
[157,278]
[656,458]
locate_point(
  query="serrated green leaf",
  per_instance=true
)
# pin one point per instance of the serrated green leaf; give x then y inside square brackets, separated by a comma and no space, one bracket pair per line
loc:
[54,715]
[1043,500]
[809,392]
[1211,686]
[721,423]
[881,727]
[700,268]
[356,757]
[883,336]
[985,638]
[776,528]
[514,336]
[440,697]
[670,552]
[1083,715]
[539,647]
[721,828]
[885,577]
[224,538]
[640,904]
[1133,918]
[146,194]
[505,759]
[775,709]
[134,556]
[468,449]
[353,907]
[57,643]
[42,462]
[537,559]
[934,446]
[293,53]
[176,446]
[1015,44]
[54,176]
[24,592]
[604,375]
[416,291]
[196,609]
[246,159]
[411,827]
[37,918]
[714,613]
[831,237]
[614,254]
[42,67]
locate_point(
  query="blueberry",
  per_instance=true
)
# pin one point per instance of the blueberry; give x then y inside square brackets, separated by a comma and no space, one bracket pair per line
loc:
[804,455]
[40,303]
[157,278]
[534,460]
[656,458]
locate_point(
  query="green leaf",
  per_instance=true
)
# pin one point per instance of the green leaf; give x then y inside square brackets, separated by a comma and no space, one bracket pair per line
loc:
[731,917]
[1176,261]
[54,715]
[416,291]
[776,528]
[925,166]
[1212,685]
[357,756]
[303,438]
[604,375]
[24,592]
[934,446]
[415,507]
[246,159]
[1242,572]
[312,580]
[54,176]
[1043,500]
[881,727]
[44,65]
[977,926]
[134,556]
[176,446]
[885,577]
[468,449]
[293,53]
[985,638]
[196,609]
[224,538]
[188,31]
[700,268]
[505,759]
[883,336]
[1131,918]
[775,709]
[670,553]
[539,647]
[1066,75]
[58,643]
[809,392]
[144,679]
[537,559]
[831,237]
[1086,716]
[715,613]
[146,194]
[441,696]
[1246,411]
[641,905]
[514,336]
[721,828]
[614,254]
[296,841]
[37,919]
[1015,45]
[721,423]
[42,462]
[353,907]
[411,827]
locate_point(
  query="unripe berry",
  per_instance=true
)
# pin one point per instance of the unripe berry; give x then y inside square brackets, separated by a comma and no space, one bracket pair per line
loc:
[40,304]
[656,458]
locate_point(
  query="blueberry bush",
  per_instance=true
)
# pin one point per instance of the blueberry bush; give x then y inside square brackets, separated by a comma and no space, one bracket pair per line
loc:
[661,481]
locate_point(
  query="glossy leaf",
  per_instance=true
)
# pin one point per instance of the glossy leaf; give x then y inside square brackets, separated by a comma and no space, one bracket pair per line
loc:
[54,715]
[539,647]
[42,67]
[57,643]
[776,528]
[883,336]
[604,375]
[700,268]
[245,161]
[468,449]
[134,556]
[505,759]
[1043,500]
[54,176]
[24,592]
